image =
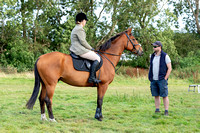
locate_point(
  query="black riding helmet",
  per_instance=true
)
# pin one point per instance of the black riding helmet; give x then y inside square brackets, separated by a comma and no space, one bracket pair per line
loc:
[80,17]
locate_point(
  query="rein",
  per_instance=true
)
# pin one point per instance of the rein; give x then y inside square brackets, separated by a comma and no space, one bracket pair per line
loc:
[102,53]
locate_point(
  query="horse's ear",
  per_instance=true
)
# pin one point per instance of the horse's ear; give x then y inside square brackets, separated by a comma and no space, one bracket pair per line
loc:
[129,31]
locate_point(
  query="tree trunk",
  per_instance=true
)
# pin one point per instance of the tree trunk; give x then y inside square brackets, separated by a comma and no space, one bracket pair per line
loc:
[23,18]
[91,4]
[196,17]
[195,13]
[35,22]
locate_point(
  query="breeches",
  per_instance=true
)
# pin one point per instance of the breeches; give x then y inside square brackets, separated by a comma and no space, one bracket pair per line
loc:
[91,55]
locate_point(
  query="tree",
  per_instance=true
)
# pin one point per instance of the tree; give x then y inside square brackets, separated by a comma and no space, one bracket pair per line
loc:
[37,27]
[7,31]
[195,12]
[112,7]
[186,42]
[189,8]
[147,28]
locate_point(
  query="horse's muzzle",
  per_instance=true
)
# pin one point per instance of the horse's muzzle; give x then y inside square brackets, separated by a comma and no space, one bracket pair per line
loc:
[140,52]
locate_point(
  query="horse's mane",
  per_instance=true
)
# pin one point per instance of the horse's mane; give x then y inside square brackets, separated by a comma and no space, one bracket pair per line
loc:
[107,44]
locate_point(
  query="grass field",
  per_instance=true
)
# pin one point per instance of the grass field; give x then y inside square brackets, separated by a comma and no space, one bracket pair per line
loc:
[128,107]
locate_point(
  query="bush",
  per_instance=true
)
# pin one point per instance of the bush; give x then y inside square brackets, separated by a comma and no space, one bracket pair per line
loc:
[18,56]
[190,73]
[186,42]
[192,59]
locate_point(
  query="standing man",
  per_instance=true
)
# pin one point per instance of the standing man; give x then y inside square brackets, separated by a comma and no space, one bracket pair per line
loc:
[160,69]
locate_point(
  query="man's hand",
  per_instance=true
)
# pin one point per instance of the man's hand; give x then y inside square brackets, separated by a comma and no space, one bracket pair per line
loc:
[169,66]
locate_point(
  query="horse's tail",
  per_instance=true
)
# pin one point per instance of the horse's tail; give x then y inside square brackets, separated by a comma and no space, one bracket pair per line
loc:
[36,89]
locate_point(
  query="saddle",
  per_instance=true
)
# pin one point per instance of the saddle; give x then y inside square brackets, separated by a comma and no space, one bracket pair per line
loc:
[81,64]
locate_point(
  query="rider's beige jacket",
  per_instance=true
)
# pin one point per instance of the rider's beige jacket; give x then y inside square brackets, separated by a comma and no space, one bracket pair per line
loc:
[79,45]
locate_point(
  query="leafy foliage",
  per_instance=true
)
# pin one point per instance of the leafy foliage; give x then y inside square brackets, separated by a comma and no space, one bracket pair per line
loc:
[190,9]
[29,29]
[18,55]
[192,59]
[186,42]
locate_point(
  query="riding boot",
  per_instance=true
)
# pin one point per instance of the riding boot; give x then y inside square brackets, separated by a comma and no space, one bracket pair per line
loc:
[92,78]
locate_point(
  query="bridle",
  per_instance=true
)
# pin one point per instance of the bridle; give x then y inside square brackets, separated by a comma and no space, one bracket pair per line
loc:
[102,53]
[131,43]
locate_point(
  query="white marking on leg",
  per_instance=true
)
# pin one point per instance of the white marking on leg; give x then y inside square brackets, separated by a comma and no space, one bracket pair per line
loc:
[43,117]
[52,120]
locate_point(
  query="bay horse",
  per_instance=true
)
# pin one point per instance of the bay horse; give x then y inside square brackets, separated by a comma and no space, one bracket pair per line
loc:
[55,66]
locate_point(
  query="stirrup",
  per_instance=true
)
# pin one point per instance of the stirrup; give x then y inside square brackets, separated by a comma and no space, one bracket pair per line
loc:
[96,81]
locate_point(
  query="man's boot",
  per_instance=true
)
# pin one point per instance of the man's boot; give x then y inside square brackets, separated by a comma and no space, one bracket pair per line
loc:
[92,78]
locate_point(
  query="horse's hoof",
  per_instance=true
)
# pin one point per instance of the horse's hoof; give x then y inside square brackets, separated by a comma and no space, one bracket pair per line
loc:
[52,120]
[43,117]
[99,119]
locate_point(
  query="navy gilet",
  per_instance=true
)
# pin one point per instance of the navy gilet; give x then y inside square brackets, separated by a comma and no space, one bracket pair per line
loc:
[162,68]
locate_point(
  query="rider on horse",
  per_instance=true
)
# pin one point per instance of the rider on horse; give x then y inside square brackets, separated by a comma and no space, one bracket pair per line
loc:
[80,46]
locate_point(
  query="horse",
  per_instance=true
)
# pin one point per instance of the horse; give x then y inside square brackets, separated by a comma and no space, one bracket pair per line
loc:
[55,66]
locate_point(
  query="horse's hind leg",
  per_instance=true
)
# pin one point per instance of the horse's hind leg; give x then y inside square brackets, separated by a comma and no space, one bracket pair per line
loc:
[49,101]
[42,102]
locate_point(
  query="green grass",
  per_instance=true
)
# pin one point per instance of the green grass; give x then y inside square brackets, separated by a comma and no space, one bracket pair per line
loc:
[128,107]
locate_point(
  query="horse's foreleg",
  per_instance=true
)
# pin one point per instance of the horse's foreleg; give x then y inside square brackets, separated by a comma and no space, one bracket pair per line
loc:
[98,114]
[101,89]
[42,102]
[49,101]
